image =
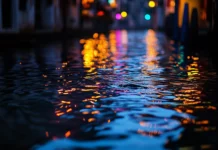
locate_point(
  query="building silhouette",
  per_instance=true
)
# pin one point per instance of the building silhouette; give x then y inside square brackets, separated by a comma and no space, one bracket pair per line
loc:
[38,15]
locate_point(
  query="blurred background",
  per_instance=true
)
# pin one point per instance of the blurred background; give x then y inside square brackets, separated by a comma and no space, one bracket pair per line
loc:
[55,15]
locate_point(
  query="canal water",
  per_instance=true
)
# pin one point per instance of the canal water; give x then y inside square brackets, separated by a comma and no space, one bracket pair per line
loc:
[122,91]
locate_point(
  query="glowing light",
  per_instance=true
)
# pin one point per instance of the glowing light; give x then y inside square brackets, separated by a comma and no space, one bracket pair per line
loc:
[195,58]
[95,112]
[142,123]
[85,12]
[124,14]
[178,110]
[172,3]
[69,110]
[91,119]
[202,122]
[185,121]
[189,111]
[147,17]
[95,50]
[118,16]
[124,37]
[47,134]
[82,41]
[67,134]
[151,4]
[85,113]
[65,102]
[112,3]
[45,76]
[100,13]
[204,15]
[89,106]
[60,114]
[95,35]
[151,51]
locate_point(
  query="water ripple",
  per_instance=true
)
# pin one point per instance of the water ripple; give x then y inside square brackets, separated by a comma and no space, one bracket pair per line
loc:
[124,90]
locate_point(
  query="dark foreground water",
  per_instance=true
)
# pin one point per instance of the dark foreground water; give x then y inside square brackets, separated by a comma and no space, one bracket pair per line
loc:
[122,91]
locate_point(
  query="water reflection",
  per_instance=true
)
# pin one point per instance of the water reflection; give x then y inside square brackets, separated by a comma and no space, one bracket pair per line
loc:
[124,90]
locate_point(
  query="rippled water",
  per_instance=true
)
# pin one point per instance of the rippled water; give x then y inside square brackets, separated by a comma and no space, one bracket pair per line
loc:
[125,90]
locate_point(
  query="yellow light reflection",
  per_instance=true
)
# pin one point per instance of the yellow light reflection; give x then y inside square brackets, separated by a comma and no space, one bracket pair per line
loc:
[65,102]
[85,113]
[96,53]
[150,134]
[63,107]
[69,110]
[59,114]
[89,106]
[202,122]
[190,95]
[113,46]
[91,119]
[193,74]
[151,50]
[88,53]
[95,112]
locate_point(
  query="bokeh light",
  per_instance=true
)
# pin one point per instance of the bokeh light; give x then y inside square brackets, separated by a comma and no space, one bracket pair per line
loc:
[124,14]
[118,16]
[147,17]
[151,4]
[172,3]
[100,13]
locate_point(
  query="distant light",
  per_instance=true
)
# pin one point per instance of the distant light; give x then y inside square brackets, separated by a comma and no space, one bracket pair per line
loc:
[147,17]
[124,14]
[95,35]
[118,16]
[172,3]
[151,4]
[67,134]
[110,1]
[100,13]
[85,12]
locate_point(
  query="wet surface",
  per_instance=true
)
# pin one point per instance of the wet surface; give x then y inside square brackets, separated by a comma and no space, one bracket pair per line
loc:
[125,90]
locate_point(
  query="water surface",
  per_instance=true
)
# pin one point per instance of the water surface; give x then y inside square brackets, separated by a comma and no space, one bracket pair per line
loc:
[126,90]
